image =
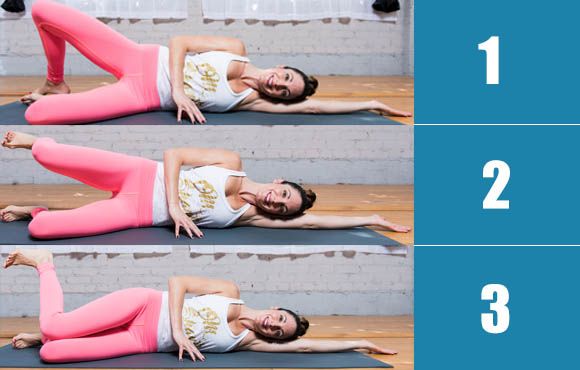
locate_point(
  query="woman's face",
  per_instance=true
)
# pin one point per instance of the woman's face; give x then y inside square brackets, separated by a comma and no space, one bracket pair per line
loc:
[278,199]
[276,324]
[281,83]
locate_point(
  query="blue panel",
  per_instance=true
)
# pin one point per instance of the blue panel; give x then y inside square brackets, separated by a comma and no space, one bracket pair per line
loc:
[539,62]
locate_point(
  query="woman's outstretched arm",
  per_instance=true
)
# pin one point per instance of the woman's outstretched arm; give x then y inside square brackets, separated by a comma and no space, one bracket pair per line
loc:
[313,345]
[310,221]
[173,159]
[181,285]
[314,106]
[179,46]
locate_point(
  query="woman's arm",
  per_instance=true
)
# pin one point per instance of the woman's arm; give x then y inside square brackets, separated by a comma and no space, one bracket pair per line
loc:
[181,285]
[314,106]
[311,345]
[179,46]
[173,159]
[310,221]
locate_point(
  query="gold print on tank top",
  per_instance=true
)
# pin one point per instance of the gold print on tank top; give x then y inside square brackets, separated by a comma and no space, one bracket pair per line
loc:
[208,318]
[208,76]
[206,192]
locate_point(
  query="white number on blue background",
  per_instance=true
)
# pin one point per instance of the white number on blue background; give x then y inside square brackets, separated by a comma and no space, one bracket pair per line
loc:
[492,201]
[499,306]
[491,48]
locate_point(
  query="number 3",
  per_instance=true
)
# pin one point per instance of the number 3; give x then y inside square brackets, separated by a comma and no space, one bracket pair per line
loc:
[492,201]
[499,307]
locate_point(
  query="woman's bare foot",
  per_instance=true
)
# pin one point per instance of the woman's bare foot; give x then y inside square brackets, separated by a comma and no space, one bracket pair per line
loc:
[25,340]
[47,88]
[15,213]
[14,139]
[28,257]
[31,98]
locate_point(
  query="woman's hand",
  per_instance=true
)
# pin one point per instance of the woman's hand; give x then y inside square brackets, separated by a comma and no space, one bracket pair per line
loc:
[386,110]
[181,220]
[381,222]
[185,344]
[373,348]
[185,104]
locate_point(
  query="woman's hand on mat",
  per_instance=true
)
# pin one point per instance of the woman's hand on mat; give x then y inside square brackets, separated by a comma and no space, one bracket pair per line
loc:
[373,348]
[381,222]
[185,345]
[386,110]
[185,104]
[181,220]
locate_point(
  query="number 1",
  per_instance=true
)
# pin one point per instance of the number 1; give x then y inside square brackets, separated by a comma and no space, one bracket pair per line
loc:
[491,48]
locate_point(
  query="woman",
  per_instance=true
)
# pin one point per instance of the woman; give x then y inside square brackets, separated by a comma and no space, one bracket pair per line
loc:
[217,78]
[140,320]
[214,194]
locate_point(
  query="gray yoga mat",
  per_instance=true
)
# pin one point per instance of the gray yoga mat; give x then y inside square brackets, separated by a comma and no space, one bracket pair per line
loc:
[29,358]
[13,114]
[16,233]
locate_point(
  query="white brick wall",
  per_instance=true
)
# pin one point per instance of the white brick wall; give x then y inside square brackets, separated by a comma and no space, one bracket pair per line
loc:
[321,284]
[320,47]
[310,154]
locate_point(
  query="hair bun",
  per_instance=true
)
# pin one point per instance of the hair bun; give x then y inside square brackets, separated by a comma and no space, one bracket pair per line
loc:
[313,82]
[303,325]
[311,196]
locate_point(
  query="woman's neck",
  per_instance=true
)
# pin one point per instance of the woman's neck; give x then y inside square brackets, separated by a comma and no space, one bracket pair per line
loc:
[247,317]
[248,190]
[251,75]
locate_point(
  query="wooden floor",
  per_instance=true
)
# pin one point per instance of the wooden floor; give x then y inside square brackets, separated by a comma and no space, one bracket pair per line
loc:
[395,91]
[394,202]
[393,332]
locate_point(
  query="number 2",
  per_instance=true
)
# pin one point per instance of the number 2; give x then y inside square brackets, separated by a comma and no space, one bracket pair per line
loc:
[499,307]
[492,201]
[491,48]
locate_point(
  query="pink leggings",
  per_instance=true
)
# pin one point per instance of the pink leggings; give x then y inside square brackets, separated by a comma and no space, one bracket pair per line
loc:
[118,324]
[134,65]
[130,179]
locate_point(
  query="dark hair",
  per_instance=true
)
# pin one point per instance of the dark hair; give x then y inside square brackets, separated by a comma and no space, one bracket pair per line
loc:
[302,325]
[310,85]
[308,197]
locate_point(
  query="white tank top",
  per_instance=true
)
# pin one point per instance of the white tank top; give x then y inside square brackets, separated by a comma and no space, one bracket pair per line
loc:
[205,78]
[205,323]
[202,195]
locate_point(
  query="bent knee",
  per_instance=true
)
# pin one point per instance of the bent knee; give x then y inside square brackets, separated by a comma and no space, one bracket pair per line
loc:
[39,229]
[41,149]
[40,8]
[49,353]
[34,115]
[49,331]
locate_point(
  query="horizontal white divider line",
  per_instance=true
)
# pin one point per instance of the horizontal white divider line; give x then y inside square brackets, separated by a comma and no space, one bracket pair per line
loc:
[497,245]
[497,124]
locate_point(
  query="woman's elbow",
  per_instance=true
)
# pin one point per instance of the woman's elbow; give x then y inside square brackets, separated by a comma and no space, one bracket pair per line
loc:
[178,43]
[169,154]
[176,40]
[240,47]
[174,281]
[310,225]
[311,108]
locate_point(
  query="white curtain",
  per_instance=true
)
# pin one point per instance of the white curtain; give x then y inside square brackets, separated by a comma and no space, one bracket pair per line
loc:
[133,9]
[293,10]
